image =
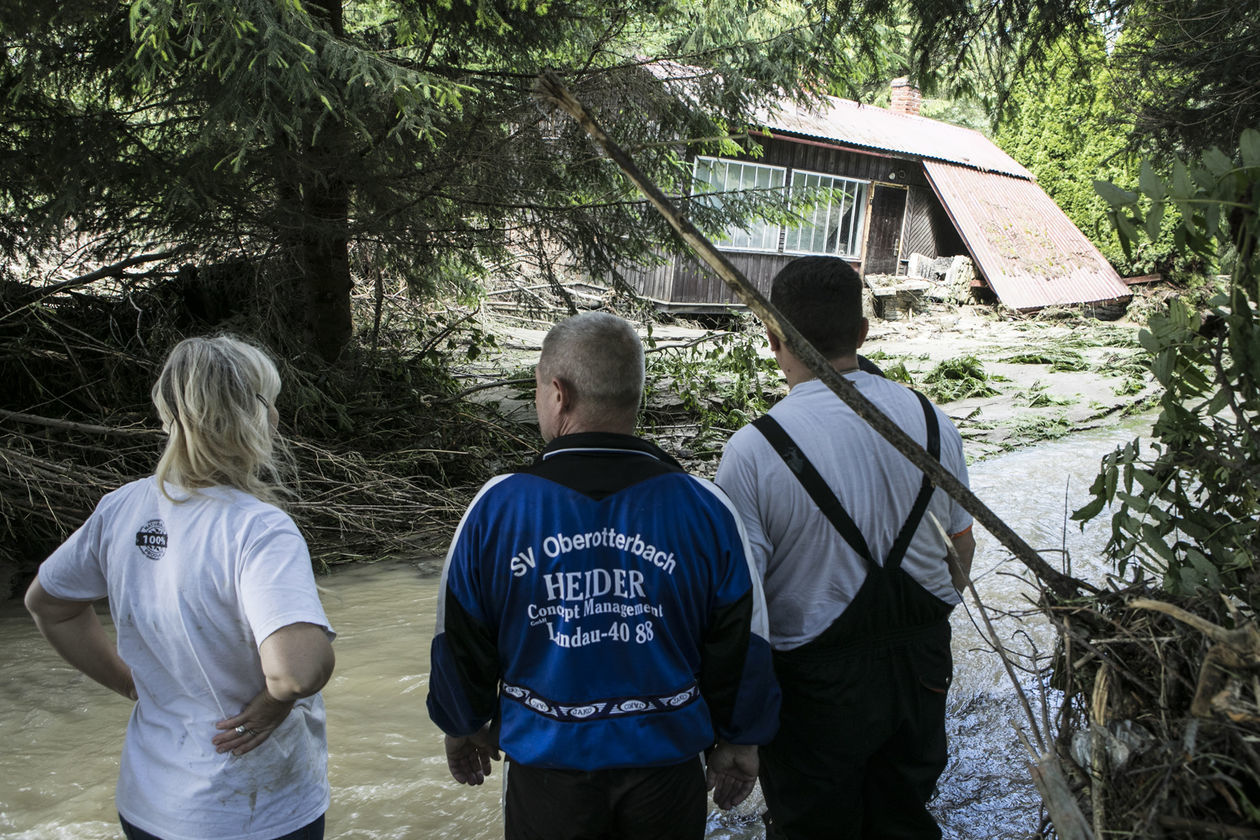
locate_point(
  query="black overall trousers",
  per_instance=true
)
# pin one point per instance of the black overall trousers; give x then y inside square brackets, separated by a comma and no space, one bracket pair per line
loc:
[861,740]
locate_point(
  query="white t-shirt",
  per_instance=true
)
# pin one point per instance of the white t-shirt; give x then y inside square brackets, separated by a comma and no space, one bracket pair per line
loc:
[194,587]
[811,574]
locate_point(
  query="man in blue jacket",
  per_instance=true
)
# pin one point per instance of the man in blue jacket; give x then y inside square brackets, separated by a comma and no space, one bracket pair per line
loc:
[598,612]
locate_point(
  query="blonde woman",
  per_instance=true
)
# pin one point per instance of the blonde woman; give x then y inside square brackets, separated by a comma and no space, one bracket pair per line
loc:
[222,642]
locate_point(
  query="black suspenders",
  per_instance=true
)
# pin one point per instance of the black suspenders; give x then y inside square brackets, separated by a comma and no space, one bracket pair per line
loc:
[831,507]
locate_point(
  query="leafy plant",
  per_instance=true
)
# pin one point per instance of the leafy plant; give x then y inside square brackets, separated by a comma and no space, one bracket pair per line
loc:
[1188,502]
[1041,428]
[957,379]
[1057,358]
[898,373]
[1038,396]
[1062,123]
[719,383]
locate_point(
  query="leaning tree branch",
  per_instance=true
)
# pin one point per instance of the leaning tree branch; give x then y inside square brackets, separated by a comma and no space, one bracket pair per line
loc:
[71,426]
[113,270]
[551,89]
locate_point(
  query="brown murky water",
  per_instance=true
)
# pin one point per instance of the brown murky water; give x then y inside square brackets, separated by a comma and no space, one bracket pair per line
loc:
[61,734]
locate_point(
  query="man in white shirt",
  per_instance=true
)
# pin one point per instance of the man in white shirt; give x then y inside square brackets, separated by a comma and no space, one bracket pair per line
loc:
[857,582]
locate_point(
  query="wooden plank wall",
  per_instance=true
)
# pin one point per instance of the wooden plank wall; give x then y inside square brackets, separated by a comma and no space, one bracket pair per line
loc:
[928,228]
[687,281]
[818,156]
[654,281]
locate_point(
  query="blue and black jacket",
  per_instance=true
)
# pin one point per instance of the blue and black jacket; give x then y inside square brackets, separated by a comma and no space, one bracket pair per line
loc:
[602,604]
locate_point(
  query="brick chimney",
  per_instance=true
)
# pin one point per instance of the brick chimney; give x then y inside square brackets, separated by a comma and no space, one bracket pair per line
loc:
[905,97]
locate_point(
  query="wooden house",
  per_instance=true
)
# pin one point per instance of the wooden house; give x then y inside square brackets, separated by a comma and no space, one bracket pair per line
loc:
[900,184]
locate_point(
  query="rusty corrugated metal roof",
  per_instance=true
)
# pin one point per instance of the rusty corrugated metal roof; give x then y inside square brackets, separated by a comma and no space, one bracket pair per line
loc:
[1023,243]
[869,126]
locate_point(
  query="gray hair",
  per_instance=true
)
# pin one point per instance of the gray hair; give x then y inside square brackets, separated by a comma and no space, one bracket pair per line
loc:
[600,357]
[214,396]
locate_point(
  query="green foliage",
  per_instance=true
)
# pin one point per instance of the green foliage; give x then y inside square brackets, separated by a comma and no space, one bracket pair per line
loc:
[719,383]
[1061,122]
[1177,72]
[1038,396]
[303,134]
[957,379]
[1059,359]
[898,372]
[1041,428]
[1134,371]
[1187,504]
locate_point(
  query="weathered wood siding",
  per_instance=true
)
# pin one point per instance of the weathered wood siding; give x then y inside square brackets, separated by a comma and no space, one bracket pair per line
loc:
[655,282]
[928,228]
[816,156]
[696,286]
[689,285]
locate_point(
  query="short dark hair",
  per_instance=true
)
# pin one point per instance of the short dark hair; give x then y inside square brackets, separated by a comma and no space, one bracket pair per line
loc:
[822,297]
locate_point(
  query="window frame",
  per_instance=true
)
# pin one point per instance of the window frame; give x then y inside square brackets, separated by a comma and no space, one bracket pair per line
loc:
[770,232]
[857,206]
[781,234]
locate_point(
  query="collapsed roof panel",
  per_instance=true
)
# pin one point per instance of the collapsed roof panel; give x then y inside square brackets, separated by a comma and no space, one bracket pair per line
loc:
[1026,247]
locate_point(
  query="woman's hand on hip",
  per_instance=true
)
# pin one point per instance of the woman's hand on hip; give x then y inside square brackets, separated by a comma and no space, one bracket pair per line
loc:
[252,726]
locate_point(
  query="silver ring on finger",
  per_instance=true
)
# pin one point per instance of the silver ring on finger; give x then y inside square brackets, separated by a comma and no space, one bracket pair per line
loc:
[241,730]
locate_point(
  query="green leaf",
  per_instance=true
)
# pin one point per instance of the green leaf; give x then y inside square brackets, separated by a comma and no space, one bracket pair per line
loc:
[1148,481]
[1113,195]
[1150,183]
[1154,220]
[1182,187]
[1196,531]
[1090,510]
[1128,233]
[1137,503]
[1186,581]
[1162,367]
[1220,399]
[1204,567]
[1249,145]
[1153,540]
[1217,162]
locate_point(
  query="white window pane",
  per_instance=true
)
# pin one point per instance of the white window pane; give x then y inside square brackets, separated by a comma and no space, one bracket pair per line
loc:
[717,176]
[831,227]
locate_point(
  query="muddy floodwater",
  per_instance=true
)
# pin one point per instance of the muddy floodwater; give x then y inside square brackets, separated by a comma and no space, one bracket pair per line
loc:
[61,734]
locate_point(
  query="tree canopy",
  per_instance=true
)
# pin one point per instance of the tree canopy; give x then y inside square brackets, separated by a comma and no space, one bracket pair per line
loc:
[317,142]
[403,135]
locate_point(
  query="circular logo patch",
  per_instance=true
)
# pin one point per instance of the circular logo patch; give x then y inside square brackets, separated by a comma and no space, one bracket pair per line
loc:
[151,539]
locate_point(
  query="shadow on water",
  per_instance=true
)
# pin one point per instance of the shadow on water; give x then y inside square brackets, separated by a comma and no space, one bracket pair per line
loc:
[63,734]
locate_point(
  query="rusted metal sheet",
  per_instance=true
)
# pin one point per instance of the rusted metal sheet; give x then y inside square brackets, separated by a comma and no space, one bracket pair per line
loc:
[1028,250]
[869,126]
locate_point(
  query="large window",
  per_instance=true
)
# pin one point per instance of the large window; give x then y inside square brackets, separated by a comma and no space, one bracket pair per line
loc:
[730,176]
[832,226]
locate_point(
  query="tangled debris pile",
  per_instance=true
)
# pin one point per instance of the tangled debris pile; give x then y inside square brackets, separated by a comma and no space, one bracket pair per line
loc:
[1160,717]
[386,456]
